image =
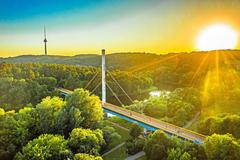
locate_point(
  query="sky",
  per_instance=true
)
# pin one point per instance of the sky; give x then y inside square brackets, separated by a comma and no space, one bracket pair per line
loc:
[86,26]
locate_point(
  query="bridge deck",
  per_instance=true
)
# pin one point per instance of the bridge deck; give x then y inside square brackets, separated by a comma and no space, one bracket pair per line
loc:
[152,122]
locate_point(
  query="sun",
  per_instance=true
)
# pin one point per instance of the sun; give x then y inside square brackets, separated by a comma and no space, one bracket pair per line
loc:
[219,36]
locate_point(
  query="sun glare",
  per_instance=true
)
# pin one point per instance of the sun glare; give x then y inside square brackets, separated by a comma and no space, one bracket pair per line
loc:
[218,36]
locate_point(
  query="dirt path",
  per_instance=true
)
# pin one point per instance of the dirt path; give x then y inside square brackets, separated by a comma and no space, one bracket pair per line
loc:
[192,120]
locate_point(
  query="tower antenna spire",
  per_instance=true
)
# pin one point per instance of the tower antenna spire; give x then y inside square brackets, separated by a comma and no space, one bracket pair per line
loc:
[45,41]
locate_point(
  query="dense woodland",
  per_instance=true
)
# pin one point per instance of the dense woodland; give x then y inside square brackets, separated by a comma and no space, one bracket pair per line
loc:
[36,123]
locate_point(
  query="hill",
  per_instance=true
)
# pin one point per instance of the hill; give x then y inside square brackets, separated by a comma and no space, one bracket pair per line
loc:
[132,61]
[116,60]
[215,73]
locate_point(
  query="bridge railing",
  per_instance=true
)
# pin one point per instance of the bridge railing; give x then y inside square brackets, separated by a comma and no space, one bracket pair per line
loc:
[179,131]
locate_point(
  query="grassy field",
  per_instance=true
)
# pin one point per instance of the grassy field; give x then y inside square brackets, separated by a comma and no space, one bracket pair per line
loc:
[142,158]
[123,133]
[119,154]
[121,122]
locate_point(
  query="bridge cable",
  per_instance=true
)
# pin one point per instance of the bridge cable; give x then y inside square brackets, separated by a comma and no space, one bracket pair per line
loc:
[120,86]
[114,94]
[91,80]
[95,87]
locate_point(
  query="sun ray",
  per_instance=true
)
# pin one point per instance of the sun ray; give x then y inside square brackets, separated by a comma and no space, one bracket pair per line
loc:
[142,67]
[199,69]
[205,90]
[231,68]
[217,67]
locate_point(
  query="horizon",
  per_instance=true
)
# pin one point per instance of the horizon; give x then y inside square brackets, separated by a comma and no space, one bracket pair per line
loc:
[99,54]
[83,27]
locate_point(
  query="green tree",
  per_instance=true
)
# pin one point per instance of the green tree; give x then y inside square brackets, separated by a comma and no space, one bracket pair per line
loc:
[50,82]
[89,107]
[221,125]
[14,133]
[194,150]
[135,145]
[222,147]
[179,154]
[86,141]
[68,119]
[46,114]
[110,134]
[45,147]
[157,145]
[135,130]
[156,107]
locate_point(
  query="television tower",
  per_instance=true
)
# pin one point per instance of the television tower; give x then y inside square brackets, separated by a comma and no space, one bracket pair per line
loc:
[45,41]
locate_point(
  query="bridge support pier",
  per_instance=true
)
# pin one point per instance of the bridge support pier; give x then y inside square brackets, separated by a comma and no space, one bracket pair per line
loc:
[145,132]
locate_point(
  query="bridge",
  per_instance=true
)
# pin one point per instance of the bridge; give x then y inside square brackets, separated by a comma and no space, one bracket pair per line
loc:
[148,122]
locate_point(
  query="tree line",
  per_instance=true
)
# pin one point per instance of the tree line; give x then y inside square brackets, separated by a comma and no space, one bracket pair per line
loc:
[23,84]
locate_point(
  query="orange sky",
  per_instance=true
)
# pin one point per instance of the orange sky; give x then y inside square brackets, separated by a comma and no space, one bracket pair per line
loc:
[122,26]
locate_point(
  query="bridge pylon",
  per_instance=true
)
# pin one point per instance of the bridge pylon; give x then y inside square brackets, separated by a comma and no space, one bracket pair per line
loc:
[103,77]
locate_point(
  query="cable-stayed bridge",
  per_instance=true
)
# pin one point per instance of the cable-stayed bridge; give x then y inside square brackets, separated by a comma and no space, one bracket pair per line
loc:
[147,122]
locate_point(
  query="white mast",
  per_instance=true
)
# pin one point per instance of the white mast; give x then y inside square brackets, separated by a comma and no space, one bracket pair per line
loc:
[103,77]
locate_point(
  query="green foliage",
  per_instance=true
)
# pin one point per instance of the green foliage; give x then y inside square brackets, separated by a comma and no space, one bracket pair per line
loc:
[133,84]
[135,130]
[84,156]
[157,145]
[195,151]
[134,145]
[82,110]
[137,106]
[21,84]
[45,147]
[119,136]
[31,82]
[221,125]
[15,132]
[89,107]
[177,107]
[109,135]
[141,71]
[156,107]
[50,82]
[20,92]
[179,154]
[13,92]
[160,146]
[222,147]
[46,115]
[86,141]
